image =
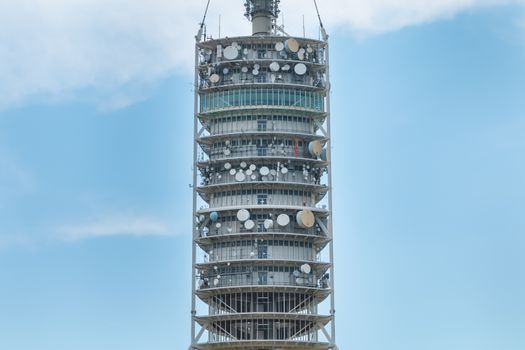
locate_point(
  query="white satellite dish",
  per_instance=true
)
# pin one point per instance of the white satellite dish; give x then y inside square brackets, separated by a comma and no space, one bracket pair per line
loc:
[249,172]
[249,224]
[300,54]
[306,268]
[225,70]
[279,46]
[243,215]
[283,220]
[239,177]
[244,69]
[243,165]
[274,67]
[284,170]
[300,69]
[286,67]
[227,152]
[216,282]
[254,177]
[232,172]
[299,280]
[218,225]
[201,283]
[227,166]
[273,172]
[255,72]
[268,224]
[231,52]
[214,78]
[252,167]
[202,218]
[264,171]
[256,66]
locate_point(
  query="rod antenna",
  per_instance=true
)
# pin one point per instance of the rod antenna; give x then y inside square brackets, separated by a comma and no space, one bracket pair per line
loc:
[323,31]
[201,28]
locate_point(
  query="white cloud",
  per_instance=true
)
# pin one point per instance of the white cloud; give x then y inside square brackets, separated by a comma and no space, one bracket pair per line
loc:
[115,226]
[110,51]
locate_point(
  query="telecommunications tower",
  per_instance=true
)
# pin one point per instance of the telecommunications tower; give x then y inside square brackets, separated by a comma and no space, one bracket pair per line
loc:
[262,226]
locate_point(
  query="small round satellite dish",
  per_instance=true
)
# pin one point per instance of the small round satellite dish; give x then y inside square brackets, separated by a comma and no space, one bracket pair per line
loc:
[253,167]
[216,282]
[227,166]
[273,172]
[205,231]
[255,72]
[244,69]
[243,215]
[300,69]
[309,49]
[227,152]
[283,220]
[264,171]
[225,70]
[214,216]
[291,45]
[305,218]
[256,66]
[243,165]
[231,52]
[296,273]
[254,177]
[284,170]
[274,67]
[214,78]
[264,178]
[235,44]
[239,177]
[232,172]
[306,268]
[201,283]
[249,224]
[202,218]
[315,148]
[286,67]
[249,172]
[299,280]
[218,225]
[268,224]
[279,46]
[252,254]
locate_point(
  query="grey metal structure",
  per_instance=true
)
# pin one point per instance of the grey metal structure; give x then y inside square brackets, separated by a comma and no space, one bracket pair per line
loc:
[261,190]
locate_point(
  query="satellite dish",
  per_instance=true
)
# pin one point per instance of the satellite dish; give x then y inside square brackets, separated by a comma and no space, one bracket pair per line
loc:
[252,167]
[286,67]
[315,148]
[201,218]
[255,72]
[291,45]
[243,165]
[283,220]
[244,69]
[227,152]
[254,177]
[300,54]
[284,170]
[239,177]
[227,166]
[249,224]
[225,70]
[268,224]
[279,46]
[274,67]
[296,273]
[249,172]
[264,171]
[306,268]
[232,172]
[243,215]
[299,280]
[201,283]
[300,69]
[214,216]
[214,78]
[218,225]
[256,66]
[216,282]
[205,231]
[231,52]
[273,172]
[305,218]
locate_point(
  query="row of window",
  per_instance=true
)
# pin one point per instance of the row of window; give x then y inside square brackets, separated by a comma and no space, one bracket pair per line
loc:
[248,269]
[249,243]
[285,192]
[259,143]
[239,118]
[262,96]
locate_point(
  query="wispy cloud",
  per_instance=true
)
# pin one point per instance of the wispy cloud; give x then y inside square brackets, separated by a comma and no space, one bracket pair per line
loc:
[111,51]
[115,226]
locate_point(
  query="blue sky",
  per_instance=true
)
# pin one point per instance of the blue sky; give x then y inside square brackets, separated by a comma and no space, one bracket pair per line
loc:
[429,194]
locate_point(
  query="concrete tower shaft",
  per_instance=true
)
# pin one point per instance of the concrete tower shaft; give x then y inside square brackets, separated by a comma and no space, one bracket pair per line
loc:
[262,14]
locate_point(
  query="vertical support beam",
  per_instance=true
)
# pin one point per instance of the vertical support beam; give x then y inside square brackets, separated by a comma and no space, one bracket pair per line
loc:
[194,189]
[330,217]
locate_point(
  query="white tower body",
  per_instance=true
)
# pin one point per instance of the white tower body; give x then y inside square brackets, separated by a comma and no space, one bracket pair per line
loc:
[262,201]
